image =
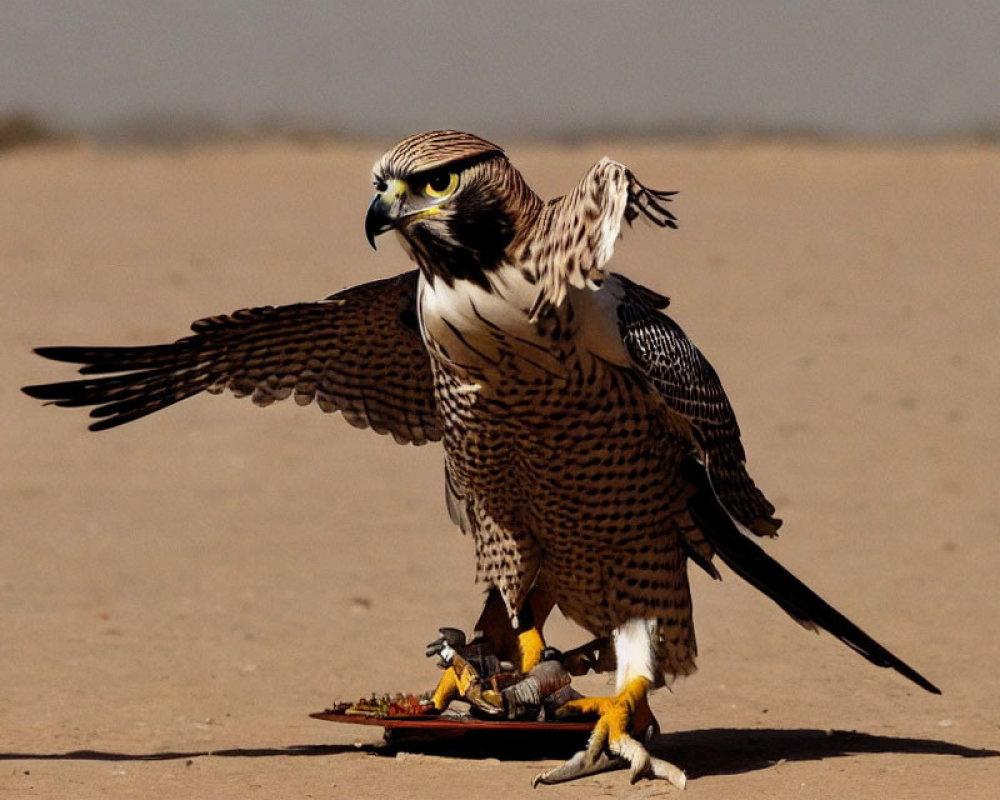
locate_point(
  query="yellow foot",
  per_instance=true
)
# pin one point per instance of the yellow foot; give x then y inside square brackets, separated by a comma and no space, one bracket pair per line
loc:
[460,679]
[611,745]
[448,688]
[532,646]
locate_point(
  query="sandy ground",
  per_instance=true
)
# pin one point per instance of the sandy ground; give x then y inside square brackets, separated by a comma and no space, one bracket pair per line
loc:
[178,594]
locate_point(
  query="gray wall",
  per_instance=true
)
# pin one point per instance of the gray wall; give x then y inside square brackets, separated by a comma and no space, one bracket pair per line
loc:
[170,67]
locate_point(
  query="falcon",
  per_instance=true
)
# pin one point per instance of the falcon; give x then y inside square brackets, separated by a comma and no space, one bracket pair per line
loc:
[590,450]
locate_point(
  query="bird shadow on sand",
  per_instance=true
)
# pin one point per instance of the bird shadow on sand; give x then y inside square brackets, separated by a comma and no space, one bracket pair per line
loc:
[701,753]
[187,755]
[728,751]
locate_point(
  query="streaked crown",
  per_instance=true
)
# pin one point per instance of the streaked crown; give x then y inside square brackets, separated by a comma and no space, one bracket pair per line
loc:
[432,149]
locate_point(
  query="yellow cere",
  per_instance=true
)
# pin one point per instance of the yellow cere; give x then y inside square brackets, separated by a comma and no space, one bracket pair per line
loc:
[395,188]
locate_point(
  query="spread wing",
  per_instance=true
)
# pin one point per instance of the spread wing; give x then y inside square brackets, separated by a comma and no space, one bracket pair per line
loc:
[358,352]
[682,376]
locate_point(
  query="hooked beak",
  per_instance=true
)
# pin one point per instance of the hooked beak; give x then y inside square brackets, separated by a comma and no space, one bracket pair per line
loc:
[377,220]
[384,210]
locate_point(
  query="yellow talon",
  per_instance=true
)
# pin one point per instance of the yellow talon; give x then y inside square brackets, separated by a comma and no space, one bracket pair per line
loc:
[531,645]
[446,690]
[462,681]
[612,742]
[456,682]
[619,715]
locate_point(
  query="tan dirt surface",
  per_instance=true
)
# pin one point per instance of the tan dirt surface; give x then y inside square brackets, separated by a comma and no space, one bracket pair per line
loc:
[177,595]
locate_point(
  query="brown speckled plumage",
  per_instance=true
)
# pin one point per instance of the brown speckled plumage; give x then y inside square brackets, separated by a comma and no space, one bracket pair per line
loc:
[594,521]
[590,448]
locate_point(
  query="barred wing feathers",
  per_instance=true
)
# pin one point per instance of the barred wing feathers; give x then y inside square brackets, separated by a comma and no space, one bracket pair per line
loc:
[358,352]
[686,381]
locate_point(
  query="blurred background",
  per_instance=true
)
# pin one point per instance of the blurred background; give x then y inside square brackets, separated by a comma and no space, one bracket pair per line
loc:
[141,71]
[199,581]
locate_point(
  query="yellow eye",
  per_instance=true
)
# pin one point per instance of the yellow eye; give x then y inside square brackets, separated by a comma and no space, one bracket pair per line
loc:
[440,184]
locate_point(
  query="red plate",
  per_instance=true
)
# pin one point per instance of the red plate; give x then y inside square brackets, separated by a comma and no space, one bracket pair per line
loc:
[455,724]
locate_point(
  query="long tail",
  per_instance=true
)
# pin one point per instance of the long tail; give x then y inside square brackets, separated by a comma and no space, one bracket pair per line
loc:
[748,560]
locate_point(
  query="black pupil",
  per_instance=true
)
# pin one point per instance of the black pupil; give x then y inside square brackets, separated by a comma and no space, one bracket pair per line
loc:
[439,182]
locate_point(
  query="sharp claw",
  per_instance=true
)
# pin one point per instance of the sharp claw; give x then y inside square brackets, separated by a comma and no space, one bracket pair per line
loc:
[664,769]
[639,767]
[610,745]
[598,738]
[634,756]
[641,763]
[578,766]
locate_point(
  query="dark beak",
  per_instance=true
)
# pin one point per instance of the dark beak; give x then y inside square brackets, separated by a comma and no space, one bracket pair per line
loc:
[379,218]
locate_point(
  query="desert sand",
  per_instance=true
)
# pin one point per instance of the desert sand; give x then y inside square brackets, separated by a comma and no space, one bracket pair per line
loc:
[180,593]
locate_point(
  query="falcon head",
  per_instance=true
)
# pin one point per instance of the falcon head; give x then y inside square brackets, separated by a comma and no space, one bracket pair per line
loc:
[455,200]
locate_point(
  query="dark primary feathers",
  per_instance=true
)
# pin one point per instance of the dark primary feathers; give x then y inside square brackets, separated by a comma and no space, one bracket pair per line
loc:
[358,352]
[748,560]
[682,376]
[649,203]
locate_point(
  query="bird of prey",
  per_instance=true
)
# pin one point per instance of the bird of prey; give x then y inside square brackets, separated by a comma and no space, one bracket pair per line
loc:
[590,449]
